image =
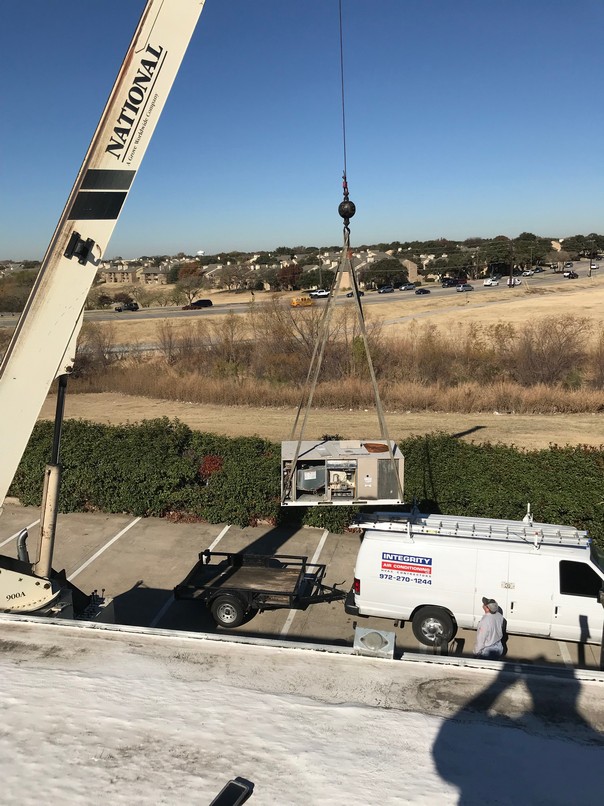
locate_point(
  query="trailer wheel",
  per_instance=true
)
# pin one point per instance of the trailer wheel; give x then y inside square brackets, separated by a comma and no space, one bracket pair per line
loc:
[228,611]
[433,626]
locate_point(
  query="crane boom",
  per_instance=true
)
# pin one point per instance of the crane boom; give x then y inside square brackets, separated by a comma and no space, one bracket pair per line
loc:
[43,344]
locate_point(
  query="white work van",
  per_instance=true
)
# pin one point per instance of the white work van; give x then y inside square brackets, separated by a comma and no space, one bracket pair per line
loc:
[433,571]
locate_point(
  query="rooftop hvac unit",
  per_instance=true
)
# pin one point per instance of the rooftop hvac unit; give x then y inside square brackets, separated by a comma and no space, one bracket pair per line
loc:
[341,472]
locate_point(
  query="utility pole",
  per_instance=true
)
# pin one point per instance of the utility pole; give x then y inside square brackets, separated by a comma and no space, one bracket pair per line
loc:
[591,260]
[511,280]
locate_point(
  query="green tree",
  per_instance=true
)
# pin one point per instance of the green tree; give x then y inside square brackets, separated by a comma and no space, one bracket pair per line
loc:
[173,272]
[576,245]
[317,278]
[499,254]
[457,264]
[595,244]
[528,251]
[264,259]
[311,259]
[388,271]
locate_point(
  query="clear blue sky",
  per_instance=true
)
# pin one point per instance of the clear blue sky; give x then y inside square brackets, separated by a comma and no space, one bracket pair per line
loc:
[464,118]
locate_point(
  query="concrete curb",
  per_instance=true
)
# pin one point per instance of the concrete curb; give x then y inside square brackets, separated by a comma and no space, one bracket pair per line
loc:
[551,672]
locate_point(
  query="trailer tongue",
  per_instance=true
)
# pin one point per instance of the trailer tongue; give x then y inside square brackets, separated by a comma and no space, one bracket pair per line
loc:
[235,586]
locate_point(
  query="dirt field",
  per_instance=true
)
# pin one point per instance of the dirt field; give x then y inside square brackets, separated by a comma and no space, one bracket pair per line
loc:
[534,431]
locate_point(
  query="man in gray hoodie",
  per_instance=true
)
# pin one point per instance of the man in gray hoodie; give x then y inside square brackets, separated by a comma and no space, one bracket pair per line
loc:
[490,631]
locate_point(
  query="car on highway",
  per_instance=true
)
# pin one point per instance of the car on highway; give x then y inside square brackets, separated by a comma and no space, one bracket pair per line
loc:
[568,264]
[422,290]
[538,270]
[489,281]
[465,287]
[126,306]
[570,274]
[197,304]
[514,281]
[386,289]
[319,293]
[528,273]
[351,294]
[593,266]
[407,287]
[448,282]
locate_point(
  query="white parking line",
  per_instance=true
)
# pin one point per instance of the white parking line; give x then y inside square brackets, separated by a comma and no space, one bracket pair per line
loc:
[213,545]
[170,601]
[102,549]
[12,537]
[565,654]
[315,559]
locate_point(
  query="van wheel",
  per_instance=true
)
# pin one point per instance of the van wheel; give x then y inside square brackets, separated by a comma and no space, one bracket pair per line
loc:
[433,626]
[228,611]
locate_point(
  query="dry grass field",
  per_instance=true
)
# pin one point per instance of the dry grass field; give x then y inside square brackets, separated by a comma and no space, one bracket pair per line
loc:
[524,431]
[583,297]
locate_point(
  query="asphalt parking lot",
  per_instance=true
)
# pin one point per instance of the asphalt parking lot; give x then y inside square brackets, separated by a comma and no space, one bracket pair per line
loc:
[138,561]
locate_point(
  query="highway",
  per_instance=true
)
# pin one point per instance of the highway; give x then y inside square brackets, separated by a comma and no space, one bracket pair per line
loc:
[371,298]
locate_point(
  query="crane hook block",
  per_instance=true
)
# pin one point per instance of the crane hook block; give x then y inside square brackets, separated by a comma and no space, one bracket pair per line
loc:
[347,209]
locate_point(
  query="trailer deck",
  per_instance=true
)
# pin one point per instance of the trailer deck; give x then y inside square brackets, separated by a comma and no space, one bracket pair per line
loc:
[281,580]
[240,585]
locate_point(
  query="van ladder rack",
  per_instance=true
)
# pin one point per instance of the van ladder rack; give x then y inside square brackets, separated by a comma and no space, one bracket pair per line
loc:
[483,528]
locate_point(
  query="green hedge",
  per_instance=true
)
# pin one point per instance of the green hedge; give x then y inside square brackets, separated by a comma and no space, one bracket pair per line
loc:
[156,468]
[562,484]
[162,467]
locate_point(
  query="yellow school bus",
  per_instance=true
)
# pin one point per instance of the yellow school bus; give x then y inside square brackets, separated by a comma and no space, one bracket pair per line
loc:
[302,302]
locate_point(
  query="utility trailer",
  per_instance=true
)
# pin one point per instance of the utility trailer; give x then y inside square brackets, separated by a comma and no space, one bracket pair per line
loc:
[235,586]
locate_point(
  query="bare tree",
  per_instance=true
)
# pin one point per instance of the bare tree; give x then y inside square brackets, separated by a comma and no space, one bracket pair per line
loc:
[189,285]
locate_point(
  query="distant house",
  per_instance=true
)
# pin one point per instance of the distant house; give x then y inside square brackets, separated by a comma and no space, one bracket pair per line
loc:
[154,275]
[213,272]
[121,273]
[330,260]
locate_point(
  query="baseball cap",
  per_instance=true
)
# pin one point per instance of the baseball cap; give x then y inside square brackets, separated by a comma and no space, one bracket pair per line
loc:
[491,604]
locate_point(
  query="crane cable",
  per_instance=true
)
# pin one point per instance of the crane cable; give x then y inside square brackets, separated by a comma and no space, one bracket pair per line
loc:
[346,210]
[343,96]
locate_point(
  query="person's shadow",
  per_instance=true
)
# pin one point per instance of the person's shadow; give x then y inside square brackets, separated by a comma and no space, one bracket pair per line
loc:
[496,750]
